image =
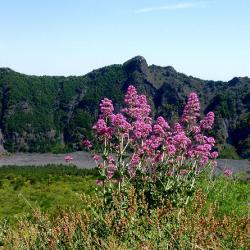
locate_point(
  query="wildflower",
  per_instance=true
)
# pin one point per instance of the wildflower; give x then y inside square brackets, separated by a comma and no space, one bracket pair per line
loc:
[181,141]
[161,121]
[141,129]
[152,144]
[135,160]
[178,128]
[191,109]
[68,158]
[195,129]
[99,182]
[87,144]
[214,155]
[110,160]
[102,129]
[106,107]
[165,151]
[204,160]
[158,129]
[131,96]
[208,121]
[120,122]
[110,173]
[96,157]
[210,140]
[199,138]
[228,172]
[171,149]
[111,167]
[136,105]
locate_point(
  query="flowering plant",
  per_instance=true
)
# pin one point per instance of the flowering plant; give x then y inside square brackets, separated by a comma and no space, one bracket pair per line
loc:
[68,158]
[161,161]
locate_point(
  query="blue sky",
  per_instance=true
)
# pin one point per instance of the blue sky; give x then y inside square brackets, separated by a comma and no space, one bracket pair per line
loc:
[208,39]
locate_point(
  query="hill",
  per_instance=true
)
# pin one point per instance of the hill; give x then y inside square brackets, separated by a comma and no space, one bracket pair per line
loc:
[53,113]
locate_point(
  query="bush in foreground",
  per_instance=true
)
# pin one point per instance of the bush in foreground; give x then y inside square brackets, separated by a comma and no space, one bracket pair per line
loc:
[161,161]
[133,227]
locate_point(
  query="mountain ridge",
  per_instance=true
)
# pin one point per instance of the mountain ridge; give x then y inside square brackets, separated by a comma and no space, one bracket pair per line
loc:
[51,113]
[136,58]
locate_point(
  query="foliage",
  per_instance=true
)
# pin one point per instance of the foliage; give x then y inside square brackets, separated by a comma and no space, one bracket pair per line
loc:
[231,195]
[241,135]
[197,226]
[38,114]
[217,215]
[48,188]
[46,114]
[229,151]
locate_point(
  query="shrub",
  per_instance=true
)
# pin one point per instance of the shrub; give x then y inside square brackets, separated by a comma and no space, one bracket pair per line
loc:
[160,161]
[131,227]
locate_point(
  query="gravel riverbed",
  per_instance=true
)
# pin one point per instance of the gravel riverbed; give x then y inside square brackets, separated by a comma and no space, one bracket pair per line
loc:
[84,160]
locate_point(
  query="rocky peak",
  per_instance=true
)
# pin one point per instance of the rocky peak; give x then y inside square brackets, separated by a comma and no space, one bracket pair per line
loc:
[234,81]
[169,71]
[6,69]
[239,81]
[137,63]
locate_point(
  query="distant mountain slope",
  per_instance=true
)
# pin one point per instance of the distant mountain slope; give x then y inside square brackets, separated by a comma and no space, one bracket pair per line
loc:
[44,113]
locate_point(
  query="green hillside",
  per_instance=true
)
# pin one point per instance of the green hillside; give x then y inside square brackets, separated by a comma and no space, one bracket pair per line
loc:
[53,113]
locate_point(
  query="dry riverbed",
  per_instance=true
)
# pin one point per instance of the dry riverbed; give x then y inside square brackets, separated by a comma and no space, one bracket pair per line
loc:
[84,160]
[80,159]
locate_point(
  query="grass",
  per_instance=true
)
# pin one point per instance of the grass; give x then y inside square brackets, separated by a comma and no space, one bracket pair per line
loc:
[54,187]
[231,195]
[229,152]
[49,188]
[46,208]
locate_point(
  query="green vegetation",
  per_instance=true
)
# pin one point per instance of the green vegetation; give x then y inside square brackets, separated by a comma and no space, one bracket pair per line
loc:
[53,114]
[229,151]
[231,195]
[55,207]
[48,188]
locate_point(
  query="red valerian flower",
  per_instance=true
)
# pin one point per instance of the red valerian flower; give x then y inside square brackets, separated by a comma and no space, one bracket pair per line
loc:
[106,107]
[228,172]
[208,121]
[68,158]
[87,144]
[139,143]
[191,110]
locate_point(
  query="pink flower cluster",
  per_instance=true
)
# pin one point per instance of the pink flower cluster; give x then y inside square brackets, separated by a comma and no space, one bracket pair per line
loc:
[139,143]
[136,105]
[106,107]
[87,144]
[228,172]
[120,123]
[68,158]
[192,109]
[102,129]
[208,121]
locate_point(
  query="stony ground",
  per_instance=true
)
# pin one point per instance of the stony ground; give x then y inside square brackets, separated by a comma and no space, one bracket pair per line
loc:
[80,159]
[84,160]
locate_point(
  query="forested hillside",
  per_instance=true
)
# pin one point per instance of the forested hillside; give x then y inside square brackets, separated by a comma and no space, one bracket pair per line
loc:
[53,113]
